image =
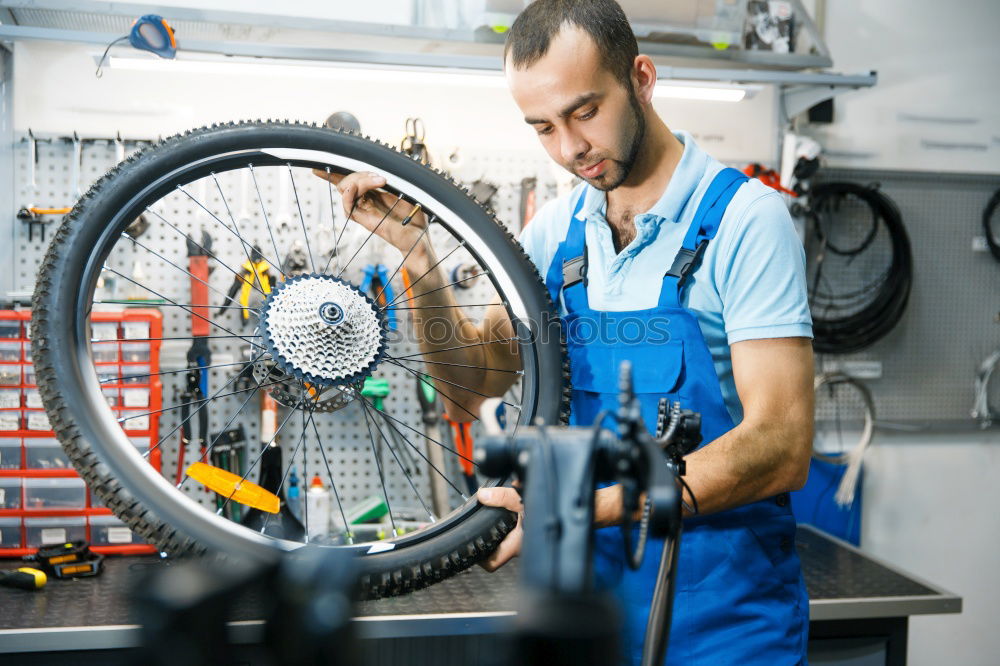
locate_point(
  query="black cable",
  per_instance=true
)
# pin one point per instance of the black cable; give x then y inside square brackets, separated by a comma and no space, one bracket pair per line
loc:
[992,239]
[100,63]
[888,295]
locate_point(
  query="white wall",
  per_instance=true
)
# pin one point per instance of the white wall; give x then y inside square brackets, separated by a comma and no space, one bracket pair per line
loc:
[930,507]
[56,91]
[930,500]
[938,67]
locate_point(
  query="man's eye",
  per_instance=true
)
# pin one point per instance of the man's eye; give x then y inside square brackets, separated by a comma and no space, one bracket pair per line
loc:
[545,130]
[589,114]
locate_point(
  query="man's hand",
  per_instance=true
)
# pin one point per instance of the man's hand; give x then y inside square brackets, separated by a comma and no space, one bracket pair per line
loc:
[510,547]
[377,210]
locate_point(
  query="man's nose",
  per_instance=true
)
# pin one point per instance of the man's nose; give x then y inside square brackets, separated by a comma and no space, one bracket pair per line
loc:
[573,147]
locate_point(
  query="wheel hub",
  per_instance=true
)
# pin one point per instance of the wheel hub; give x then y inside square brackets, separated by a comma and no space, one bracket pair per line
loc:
[323,330]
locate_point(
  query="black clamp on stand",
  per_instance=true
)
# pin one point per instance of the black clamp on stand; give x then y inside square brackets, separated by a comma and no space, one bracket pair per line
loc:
[562,619]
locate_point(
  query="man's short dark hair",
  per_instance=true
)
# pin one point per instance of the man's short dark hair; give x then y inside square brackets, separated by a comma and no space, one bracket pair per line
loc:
[529,38]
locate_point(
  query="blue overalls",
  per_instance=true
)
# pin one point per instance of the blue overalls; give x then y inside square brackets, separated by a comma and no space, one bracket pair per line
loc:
[740,598]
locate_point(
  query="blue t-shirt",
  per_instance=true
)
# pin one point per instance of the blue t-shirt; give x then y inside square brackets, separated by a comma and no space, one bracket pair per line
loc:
[750,285]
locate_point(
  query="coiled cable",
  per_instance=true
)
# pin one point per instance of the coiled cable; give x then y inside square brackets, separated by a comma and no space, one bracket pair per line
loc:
[851,458]
[992,238]
[840,325]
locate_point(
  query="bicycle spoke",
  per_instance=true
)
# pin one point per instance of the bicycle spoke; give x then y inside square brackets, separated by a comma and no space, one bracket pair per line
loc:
[386,418]
[381,475]
[333,483]
[302,220]
[221,223]
[458,365]
[370,234]
[187,309]
[441,307]
[304,501]
[284,474]
[196,411]
[428,271]
[172,372]
[403,261]
[273,439]
[195,402]
[182,270]
[450,284]
[178,305]
[236,226]
[429,439]
[202,248]
[402,468]
[464,388]
[175,337]
[444,349]
[267,221]
[208,451]
[336,241]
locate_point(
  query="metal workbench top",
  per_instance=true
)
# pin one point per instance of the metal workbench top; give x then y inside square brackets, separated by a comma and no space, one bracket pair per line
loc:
[93,613]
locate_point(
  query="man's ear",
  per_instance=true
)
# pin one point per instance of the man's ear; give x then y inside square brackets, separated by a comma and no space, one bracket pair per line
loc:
[644,78]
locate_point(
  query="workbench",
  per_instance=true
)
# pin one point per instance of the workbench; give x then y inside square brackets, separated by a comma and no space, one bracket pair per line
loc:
[859,611]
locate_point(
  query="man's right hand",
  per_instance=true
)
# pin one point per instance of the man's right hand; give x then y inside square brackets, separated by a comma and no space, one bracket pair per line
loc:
[510,547]
[377,210]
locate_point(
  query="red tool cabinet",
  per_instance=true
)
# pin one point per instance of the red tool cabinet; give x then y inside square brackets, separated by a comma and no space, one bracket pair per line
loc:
[42,499]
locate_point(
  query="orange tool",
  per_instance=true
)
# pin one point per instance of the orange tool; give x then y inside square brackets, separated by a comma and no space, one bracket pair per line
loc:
[464,446]
[234,487]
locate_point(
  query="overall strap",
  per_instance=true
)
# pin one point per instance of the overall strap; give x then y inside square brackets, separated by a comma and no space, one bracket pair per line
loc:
[569,265]
[703,228]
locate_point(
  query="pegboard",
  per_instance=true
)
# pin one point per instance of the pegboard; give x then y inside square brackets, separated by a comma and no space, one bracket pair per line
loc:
[158,259]
[929,361]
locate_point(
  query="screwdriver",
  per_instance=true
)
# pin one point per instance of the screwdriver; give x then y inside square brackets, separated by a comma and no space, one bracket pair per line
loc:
[24,578]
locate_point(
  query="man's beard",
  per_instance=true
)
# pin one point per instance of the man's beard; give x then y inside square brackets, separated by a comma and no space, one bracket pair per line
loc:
[635,132]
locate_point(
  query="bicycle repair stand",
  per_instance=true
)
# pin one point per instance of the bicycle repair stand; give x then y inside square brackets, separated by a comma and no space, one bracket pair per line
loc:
[562,619]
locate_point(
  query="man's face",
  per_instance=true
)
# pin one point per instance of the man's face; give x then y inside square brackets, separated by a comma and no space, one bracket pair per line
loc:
[588,121]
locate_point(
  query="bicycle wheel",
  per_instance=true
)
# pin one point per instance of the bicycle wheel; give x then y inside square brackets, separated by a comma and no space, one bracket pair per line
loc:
[285,217]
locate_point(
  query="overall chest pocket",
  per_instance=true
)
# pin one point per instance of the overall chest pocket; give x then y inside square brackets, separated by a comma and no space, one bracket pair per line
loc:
[657,368]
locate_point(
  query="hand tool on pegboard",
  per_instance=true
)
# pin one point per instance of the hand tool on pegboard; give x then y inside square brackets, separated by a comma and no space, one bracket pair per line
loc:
[227,453]
[199,355]
[413,141]
[377,389]
[256,272]
[376,281]
[462,437]
[430,414]
[284,524]
[149,32]
[33,215]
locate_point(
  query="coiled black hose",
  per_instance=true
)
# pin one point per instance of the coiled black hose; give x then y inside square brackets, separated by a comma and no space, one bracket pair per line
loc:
[992,238]
[886,296]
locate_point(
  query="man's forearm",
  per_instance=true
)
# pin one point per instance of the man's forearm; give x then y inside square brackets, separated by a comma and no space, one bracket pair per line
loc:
[455,349]
[749,463]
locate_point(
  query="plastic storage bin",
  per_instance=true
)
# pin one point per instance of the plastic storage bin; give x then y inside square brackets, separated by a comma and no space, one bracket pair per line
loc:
[135,352]
[105,352]
[37,420]
[10,374]
[10,350]
[43,531]
[10,533]
[109,531]
[45,453]
[10,453]
[10,492]
[55,494]
[10,329]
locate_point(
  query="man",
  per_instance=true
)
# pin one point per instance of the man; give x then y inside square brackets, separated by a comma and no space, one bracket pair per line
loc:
[737,345]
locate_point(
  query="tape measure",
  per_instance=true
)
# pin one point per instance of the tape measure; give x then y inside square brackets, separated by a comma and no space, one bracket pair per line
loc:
[152,33]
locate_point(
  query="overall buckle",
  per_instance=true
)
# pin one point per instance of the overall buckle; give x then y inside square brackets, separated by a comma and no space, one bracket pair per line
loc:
[574,270]
[685,262]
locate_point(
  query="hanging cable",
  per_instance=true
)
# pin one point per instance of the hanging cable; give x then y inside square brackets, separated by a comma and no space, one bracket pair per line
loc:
[852,458]
[854,320]
[981,409]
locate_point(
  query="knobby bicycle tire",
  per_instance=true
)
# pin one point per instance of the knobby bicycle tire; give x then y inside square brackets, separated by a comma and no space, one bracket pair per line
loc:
[67,391]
